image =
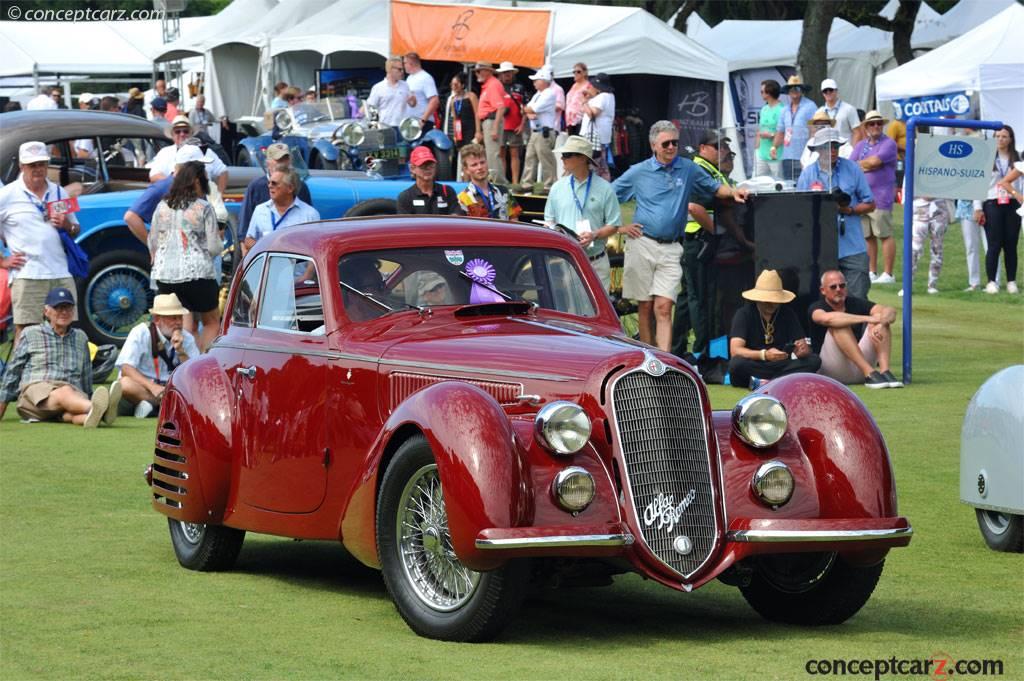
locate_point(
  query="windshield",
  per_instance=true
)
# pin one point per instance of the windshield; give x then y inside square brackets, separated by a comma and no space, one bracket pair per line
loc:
[330,109]
[432,277]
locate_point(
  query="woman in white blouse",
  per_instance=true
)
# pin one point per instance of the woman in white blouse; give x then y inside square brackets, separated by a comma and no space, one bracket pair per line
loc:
[999,213]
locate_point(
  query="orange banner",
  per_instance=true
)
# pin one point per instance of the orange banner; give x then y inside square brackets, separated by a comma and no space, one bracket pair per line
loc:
[469,33]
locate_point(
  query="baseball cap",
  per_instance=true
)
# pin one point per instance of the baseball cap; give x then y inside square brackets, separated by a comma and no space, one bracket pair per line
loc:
[829,84]
[85,97]
[181,122]
[277,151]
[544,73]
[430,281]
[421,155]
[714,138]
[158,103]
[59,296]
[33,152]
[188,153]
[603,82]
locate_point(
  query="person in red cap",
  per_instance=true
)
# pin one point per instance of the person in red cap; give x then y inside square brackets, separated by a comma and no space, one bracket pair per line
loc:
[426,197]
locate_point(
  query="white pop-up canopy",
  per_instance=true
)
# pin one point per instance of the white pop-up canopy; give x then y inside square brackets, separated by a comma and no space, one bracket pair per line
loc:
[987,60]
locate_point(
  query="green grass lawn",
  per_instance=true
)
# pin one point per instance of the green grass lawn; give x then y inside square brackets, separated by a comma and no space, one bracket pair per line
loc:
[89,587]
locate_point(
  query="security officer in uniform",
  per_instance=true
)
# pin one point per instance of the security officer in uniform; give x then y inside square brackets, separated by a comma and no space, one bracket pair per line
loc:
[699,239]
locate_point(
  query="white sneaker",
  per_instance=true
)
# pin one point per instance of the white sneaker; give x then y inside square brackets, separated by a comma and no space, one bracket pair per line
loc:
[932,290]
[1011,287]
[885,278]
[972,288]
[143,409]
[991,287]
[900,293]
[873,277]
[100,401]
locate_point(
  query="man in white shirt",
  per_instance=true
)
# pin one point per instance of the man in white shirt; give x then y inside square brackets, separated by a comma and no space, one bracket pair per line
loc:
[44,101]
[843,113]
[162,164]
[282,210]
[151,352]
[423,88]
[540,111]
[391,96]
[30,223]
[598,113]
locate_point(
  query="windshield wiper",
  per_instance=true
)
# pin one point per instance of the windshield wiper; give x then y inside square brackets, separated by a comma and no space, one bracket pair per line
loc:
[489,287]
[380,303]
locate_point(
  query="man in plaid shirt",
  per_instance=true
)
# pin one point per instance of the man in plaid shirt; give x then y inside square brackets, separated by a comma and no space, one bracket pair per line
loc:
[51,372]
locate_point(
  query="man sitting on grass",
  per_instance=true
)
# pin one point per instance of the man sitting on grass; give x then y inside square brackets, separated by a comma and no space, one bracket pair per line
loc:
[151,352]
[838,325]
[51,372]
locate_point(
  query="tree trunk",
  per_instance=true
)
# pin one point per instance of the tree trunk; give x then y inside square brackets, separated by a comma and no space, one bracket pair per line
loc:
[812,59]
[686,10]
[903,28]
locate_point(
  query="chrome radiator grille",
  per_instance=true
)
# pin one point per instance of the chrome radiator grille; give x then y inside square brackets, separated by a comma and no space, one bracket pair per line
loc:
[661,431]
[381,137]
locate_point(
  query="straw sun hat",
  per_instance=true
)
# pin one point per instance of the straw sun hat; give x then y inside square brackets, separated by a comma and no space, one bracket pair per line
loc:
[768,289]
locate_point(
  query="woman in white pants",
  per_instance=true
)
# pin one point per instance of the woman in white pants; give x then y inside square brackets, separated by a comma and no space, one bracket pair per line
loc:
[975,243]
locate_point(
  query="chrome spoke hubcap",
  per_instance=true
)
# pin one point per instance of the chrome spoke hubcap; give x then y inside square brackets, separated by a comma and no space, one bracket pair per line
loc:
[193,532]
[428,559]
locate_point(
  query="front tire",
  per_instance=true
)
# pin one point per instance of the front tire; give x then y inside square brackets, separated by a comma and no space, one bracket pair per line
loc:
[1001,531]
[115,296]
[372,207]
[436,595]
[809,588]
[206,548]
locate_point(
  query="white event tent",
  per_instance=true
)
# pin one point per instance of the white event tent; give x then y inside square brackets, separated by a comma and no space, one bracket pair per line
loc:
[987,60]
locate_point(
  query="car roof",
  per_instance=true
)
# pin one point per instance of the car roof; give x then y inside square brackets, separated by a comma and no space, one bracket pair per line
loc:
[386,232]
[18,127]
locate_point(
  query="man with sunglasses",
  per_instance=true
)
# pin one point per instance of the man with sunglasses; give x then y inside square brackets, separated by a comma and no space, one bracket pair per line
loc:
[876,155]
[662,186]
[843,113]
[852,335]
[282,210]
[162,165]
[830,173]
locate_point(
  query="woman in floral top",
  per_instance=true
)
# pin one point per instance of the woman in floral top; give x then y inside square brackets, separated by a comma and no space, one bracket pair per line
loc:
[183,242]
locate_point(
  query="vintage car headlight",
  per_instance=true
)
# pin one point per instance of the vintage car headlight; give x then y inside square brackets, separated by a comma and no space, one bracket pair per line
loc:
[574,489]
[759,420]
[410,128]
[563,427]
[773,483]
[283,120]
[351,134]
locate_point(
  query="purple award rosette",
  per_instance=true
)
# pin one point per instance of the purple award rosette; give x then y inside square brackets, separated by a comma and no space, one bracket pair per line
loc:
[482,273]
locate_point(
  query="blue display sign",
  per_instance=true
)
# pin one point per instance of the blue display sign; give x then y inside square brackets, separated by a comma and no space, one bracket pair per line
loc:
[949,104]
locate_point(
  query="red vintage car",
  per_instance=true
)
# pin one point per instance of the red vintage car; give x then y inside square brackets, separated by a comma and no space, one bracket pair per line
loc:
[454,401]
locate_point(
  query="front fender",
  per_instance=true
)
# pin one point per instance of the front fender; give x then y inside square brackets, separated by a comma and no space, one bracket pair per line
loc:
[481,470]
[195,443]
[326,150]
[437,139]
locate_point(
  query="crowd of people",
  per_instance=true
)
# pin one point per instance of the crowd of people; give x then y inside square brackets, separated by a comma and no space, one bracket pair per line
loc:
[507,141]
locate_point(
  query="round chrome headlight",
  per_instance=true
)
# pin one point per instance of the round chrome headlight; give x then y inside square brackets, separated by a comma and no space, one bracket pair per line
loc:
[759,420]
[562,427]
[410,128]
[351,134]
[574,489]
[283,120]
[773,483]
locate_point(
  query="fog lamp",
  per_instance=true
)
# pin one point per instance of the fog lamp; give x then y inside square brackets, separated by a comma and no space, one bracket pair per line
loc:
[562,427]
[574,489]
[759,420]
[410,128]
[283,120]
[773,483]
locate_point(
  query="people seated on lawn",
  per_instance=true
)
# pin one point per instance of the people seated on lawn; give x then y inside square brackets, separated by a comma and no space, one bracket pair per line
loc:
[51,372]
[767,340]
[852,335]
[151,352]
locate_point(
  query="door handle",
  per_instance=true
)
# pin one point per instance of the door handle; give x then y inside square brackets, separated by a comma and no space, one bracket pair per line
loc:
[249,372]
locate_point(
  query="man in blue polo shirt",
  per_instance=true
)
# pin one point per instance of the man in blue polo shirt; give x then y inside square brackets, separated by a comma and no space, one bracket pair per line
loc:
[282,210]
[831,173]
[661,186]
[278,157]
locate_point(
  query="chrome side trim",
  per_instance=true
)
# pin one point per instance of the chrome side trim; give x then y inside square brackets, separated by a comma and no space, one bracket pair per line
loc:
[294,351]
[558,541]
[458,368]
[776,536]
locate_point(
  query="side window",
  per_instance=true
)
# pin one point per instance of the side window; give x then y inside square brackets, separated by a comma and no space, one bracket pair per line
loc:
[291,296]
[245,302]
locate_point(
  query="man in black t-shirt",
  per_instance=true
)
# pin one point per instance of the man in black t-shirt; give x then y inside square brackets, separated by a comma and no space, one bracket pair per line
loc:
[852,335]
[767,340]
[426,197]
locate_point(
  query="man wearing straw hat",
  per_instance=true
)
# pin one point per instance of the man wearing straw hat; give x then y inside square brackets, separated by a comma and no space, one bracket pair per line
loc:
[586,203]
[876,155]
[767,340]
[792,132]
[151,352]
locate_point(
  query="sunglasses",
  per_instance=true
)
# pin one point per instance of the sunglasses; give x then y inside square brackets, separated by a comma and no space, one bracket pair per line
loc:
[577,71]
[181,131]
[274,183]
[570,154]
[874,124]
[669,143]
[835,287]
[829,89]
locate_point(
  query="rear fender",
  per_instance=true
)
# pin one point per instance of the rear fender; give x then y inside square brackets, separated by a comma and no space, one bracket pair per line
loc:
[197,415]
[478,460]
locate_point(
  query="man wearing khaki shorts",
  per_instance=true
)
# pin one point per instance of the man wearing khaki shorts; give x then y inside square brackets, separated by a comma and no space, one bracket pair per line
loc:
[51,374]
[877,154]
[31,220]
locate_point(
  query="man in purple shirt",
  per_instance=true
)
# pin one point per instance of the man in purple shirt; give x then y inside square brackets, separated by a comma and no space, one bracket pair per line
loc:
[876,155]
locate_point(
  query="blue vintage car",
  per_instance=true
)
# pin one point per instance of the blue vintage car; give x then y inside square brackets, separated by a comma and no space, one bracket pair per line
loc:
[332,136]
[117,292]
